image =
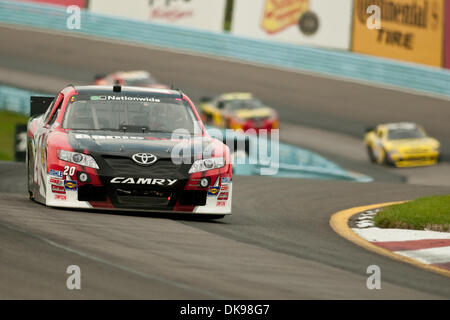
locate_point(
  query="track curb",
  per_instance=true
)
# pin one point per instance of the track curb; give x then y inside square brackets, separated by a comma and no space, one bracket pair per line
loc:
[339,223]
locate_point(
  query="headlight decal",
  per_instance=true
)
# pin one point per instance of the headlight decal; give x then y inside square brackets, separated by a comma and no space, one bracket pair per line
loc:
[78,158]
[207,164]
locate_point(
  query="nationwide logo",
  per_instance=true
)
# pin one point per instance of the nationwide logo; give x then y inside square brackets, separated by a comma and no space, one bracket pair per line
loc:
[125,98]
[280,14]
[144,181]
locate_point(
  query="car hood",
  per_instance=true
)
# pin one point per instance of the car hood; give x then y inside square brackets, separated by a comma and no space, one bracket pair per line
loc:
[413,143]
[119,143]
[254,113]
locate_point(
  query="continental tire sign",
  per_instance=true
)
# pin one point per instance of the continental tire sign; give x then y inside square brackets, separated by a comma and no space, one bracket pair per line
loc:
[411,30]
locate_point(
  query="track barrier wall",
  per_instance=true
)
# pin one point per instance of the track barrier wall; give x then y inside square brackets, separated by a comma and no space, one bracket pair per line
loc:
[294,57]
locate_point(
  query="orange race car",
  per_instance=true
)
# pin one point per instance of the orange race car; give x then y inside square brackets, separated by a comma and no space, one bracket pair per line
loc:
[239,110]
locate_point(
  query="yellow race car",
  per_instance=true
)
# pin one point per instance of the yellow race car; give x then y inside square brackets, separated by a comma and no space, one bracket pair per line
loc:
[238,111]
[401,145]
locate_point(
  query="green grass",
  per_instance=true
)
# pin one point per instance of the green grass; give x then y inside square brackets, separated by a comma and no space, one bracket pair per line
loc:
[425,213]
[8,121]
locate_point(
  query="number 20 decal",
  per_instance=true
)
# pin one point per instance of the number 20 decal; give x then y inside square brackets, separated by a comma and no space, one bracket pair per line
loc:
[69,171]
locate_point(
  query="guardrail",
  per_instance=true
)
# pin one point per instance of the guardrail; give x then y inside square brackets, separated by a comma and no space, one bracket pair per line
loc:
[14,99]
[341,64]
[291,161]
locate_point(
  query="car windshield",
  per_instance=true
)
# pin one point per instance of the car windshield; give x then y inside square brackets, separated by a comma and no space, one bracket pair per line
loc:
[397,134]
[159,115]
[233,105]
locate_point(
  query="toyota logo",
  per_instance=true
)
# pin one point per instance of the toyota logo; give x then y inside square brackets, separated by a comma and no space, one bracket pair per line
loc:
[144,159]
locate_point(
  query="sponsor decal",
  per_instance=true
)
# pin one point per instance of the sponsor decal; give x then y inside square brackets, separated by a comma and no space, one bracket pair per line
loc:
[225,180]
[70,185]
[223,196]
[55,173]
[144,181]
[278,15]
[64,3]
[199,14]
[221,203]
[58,189]
[224,188]
[56,182]
[60,197]
[213,191]
[323,23]
[125,98]
[447,35]
[309,23]
[100,137]
[411,30]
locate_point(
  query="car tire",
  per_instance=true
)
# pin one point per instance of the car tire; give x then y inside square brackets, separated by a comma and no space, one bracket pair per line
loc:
[30,193]
[371,155]
[386,160]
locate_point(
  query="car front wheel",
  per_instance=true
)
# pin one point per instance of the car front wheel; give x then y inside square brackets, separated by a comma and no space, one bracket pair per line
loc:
[371,155]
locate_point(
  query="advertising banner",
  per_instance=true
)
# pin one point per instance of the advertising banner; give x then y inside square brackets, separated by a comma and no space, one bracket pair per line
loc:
[65,3]
[447,35]
[201,14]
[324,23]
[410,30]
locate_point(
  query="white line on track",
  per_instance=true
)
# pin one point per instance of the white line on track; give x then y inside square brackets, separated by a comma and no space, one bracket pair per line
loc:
[429,256]
[385,235]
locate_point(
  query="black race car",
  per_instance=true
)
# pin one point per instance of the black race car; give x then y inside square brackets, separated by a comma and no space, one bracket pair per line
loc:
[125,148]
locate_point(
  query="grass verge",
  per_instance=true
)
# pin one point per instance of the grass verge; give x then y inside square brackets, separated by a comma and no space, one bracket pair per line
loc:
[432,213]
[8,121]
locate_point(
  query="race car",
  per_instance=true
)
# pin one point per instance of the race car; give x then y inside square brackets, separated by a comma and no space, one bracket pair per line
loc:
[125,148]
[238,111]
[130,78]
[401,145]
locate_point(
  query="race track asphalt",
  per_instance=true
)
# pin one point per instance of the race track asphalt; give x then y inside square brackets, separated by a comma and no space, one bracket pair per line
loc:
[277,244]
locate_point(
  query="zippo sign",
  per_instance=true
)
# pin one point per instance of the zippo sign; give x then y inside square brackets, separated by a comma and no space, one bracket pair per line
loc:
[201,14]
[324,23]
